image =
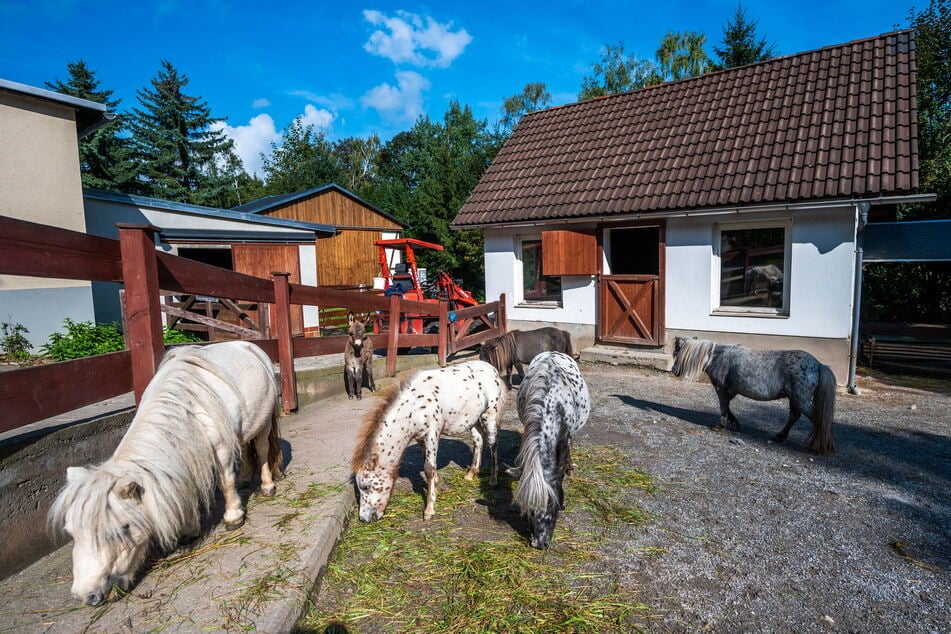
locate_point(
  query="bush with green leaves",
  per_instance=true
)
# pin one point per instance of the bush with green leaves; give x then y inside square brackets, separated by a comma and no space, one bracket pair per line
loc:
[174,335]
[13,342]
[83,339]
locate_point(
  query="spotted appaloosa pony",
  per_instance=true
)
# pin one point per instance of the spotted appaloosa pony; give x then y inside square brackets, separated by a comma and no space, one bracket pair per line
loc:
[765,375]
[358,358]
[521,346]
[461,398]
[200,409]
[553,404]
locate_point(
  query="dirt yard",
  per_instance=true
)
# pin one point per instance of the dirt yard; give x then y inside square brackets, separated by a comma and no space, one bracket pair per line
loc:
[744,535]
[749,535]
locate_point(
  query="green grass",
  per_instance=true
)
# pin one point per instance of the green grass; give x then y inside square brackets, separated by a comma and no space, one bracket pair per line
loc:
[463,572]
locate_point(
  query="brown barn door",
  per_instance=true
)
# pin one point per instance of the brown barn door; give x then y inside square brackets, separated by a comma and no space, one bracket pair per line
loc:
[631,289]
[261,260]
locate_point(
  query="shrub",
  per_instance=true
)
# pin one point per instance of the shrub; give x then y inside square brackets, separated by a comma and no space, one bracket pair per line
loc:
[83,339]
[174,335]
[13,342]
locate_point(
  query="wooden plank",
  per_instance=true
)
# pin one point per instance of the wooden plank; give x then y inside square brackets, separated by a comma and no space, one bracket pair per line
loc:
[477,311]
[29,248]
[34,393]
[217,324]
[480,337]
[393,338]
[259,260]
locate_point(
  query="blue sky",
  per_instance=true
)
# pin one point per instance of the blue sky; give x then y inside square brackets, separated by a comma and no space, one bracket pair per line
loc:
[353,68]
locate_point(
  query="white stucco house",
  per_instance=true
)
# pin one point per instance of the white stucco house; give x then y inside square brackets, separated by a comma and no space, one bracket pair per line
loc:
[725,206]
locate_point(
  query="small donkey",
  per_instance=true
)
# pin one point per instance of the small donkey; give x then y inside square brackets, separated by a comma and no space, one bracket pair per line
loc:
[358,358]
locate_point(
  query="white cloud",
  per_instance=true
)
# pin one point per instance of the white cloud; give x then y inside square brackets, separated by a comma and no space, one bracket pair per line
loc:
[407,38]
[260,103]
[402,102]
[319,118]
[251,140]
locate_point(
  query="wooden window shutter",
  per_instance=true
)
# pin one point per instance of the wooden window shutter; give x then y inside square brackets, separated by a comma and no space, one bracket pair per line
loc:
[569,252]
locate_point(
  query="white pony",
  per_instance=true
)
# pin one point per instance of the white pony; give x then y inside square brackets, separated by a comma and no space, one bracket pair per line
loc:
[468,397]
[197,415]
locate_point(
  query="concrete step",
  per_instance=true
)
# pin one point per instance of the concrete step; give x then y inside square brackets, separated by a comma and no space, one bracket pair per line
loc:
[657,358]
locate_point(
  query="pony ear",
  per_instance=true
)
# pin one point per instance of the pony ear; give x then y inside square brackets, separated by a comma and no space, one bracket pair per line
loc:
[372,461]
[128,490]
[75,475]
[350,318]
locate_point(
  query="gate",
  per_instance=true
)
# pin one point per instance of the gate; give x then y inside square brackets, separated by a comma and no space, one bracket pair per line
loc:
[629,310]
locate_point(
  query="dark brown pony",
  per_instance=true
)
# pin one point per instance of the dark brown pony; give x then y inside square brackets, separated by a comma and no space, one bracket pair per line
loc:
[358,358]
[521,346]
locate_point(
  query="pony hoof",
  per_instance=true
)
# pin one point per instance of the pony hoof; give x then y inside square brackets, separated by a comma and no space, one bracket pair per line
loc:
[268,492]
[493,482]
[779,438]
[469,475]
[428,516]
[235,525]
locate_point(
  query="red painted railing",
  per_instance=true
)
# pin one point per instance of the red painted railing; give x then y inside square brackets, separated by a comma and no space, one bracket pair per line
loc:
[34,393]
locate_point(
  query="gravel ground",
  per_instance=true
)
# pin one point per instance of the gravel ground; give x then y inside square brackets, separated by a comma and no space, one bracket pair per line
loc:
[753,536]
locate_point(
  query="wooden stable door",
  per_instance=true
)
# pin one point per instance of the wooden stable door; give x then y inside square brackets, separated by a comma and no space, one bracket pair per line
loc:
[631,291]
[261,260]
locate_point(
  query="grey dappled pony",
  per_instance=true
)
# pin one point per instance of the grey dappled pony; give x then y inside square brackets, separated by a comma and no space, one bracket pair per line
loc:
[765,375]
[553,404]
[521,346]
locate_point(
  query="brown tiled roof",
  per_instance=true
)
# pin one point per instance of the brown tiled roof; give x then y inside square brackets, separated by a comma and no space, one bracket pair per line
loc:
[834,123]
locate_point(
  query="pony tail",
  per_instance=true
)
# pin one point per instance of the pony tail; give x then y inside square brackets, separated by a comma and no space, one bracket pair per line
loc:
[821,439]
[533,491]
[275,457]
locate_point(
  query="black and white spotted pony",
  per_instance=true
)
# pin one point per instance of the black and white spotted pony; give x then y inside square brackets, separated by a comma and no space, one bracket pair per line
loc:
[553,404]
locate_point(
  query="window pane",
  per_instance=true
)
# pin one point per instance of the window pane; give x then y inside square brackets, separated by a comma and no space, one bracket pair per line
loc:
[537,287]
[751,267]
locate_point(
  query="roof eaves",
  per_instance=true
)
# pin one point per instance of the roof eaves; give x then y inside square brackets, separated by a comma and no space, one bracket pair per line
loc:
[210,212]
[90,115]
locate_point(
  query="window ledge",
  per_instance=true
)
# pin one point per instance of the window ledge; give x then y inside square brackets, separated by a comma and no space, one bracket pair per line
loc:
[538,305]
[746,313]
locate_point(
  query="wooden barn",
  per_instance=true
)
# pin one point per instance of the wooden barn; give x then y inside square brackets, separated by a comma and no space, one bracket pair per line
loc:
[349,258]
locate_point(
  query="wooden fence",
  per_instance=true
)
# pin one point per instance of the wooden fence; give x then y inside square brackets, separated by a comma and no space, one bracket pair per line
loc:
[34,393]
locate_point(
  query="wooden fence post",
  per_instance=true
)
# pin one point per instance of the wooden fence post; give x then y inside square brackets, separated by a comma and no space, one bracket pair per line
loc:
[281,313]
[445,333]
[392,342]
[501,319]
[142,311]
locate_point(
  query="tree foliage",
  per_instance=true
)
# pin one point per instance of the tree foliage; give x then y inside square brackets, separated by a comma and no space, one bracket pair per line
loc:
[534,96]
[102,154]
[303,159]
[179,153]
[933,59]
[741,44]
[681,55]
[617,72]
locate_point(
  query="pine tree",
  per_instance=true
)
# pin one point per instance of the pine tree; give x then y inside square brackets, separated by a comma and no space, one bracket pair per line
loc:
[101,152]
[180,153]
[740,45]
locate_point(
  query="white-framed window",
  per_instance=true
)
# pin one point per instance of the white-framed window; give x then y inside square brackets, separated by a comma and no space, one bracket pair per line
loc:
[537,288]
[751,268]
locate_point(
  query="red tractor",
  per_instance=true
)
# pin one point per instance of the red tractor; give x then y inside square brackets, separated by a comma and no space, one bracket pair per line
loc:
[404,279]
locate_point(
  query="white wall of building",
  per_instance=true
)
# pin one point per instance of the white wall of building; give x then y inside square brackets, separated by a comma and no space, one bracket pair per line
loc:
[820,277]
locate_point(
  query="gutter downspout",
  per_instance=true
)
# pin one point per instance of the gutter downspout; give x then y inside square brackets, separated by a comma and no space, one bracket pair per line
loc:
[861,219]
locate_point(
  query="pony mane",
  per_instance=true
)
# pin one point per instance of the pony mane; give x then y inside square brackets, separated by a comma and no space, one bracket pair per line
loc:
[692,357]
[371,422]
[500,352]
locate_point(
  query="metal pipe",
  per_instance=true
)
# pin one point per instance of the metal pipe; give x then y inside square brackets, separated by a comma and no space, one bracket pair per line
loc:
[861,219]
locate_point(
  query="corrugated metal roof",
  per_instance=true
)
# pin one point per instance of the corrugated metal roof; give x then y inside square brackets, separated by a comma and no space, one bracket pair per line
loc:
[838,122]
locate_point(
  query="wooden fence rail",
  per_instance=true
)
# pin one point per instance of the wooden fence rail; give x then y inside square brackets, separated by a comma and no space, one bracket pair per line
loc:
[34,393]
